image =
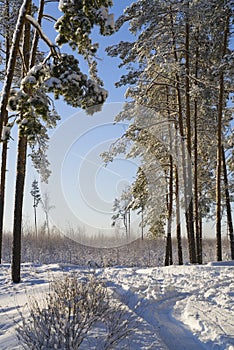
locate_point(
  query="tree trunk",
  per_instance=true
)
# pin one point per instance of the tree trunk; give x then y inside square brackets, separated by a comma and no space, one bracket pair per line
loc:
[218,176]
[219,149]
[5,144]
[129,223]
[168,257]
[35,220]
[178,226]
[192,245]
[142,223]
[19,192]
[228,205]
[2,192]
[36,35]
[196,203]
[20,175]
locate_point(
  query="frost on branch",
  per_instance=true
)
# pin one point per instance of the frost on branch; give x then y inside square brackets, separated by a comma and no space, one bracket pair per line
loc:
[75,87]
[76,25]
[62,77]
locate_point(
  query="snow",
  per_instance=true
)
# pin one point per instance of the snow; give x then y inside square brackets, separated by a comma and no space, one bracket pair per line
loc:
[103,11]
[178,307]
[110,21]
[53,82]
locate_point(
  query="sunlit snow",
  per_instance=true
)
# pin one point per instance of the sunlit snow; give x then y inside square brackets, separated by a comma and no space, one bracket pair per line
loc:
[178,307]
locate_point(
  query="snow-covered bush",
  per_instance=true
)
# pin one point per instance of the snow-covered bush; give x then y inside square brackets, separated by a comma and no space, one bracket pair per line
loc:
[74,314]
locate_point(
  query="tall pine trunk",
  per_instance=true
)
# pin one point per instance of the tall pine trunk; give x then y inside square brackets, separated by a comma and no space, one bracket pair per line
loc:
[169,257]
[219,148]
[177,195]
[20,175]
[5,143]
[19,190]
[2,192]
[196,201]
[35,220]
[192,244]
[228,205]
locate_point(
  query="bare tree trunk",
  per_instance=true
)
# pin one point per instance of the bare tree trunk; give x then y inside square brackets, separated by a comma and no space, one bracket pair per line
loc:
[35,220]
[36,35]
[201,233]
[168,257]
[196,203]
[129,223]
[228,205]
[178,225]
[142,223]
[192,245]
[5,144]
[2,192]
[20,176]
[218,176]
[19,190]
[177,195]
[219,149]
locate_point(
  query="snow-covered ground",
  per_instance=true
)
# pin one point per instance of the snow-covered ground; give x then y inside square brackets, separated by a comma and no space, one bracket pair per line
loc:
[177,308]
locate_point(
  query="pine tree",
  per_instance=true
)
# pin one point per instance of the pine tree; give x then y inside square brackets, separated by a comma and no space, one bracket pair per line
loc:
[35,192]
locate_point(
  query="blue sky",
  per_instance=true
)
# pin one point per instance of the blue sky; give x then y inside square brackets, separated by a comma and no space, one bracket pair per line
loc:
[80,185]
[86,188]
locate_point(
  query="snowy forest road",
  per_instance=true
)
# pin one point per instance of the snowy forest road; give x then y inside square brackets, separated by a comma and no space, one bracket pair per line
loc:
[171,332]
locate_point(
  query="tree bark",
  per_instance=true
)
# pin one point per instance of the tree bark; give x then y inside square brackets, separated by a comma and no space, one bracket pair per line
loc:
[2,192]
[177,195]
[192,245]
[219,149]
[178,225]
[196,202]
[20,175]
[19,190]
[5,143]
[228,205]
[35,220]
[169,257]
[36,35]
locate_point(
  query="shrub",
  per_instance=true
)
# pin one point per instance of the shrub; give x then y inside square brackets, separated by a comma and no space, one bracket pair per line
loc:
[75,314]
